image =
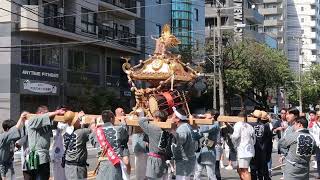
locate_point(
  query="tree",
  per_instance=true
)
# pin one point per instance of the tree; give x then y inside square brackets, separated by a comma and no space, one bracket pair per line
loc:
[256,68]
[95,100]
[310,84]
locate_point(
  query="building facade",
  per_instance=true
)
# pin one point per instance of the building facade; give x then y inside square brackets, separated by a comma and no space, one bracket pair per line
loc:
[274,12]
[302,34]
[238,16]
[53,51]
[185,17]
[242,18]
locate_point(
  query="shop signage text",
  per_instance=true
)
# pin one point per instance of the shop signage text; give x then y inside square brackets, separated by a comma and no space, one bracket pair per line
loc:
[238,18]
[40,74]
[39,88]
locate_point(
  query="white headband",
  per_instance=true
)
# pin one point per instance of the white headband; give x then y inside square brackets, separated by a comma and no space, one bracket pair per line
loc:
[180,116]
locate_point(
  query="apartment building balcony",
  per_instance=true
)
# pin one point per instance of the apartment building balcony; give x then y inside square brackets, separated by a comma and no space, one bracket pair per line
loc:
[275,34]
[65,26]
[270,11]
[257,1]
[311,12]
[312,23]
[310,46]
[253,35]
[272,1]
[253,15]
[122,8]
[123,37]
[311,35]
[211,11]
[209,31]
[273,22]
[35,21]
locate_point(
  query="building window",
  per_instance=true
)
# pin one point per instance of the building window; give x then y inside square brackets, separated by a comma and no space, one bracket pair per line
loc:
[76,60]
[92,62]
[32,2]
[125,28]
[83,61]
[313,30]
[213,21]
[88,21]
[50,14]
[34,55]
[302,8]
[30,54]
[158,29]
[314,52]
[302,19]
[112,67]
[108,66]
[158,1]
[196,12]
[51,57]
[115,27]
[313,41]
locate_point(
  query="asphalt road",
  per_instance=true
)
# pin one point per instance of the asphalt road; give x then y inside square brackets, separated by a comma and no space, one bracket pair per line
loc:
[226,174]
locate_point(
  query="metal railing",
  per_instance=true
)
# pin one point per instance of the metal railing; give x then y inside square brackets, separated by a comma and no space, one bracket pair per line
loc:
[123,4]
[67,23]
[123,37]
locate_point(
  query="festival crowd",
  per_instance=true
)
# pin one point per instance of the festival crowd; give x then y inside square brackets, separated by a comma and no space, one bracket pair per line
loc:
[180,153]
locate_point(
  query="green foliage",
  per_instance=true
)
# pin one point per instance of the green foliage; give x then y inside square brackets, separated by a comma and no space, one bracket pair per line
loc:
[310,84]
[254,67]
[95,100]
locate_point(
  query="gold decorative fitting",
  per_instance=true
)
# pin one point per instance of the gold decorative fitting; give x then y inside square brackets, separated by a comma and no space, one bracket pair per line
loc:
[162,64]
[161,70]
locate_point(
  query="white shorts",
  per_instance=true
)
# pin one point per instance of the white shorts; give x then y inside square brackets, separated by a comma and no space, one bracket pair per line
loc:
[244,162]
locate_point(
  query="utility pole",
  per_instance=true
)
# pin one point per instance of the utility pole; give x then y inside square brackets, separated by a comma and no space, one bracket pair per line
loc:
[214,72]
[300,74]
[219,36]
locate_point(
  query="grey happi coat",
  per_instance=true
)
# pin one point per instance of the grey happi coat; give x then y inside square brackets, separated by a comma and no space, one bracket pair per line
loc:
[300,145]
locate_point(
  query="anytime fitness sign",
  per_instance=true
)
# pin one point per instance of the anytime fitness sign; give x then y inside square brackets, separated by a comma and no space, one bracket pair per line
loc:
[238,18]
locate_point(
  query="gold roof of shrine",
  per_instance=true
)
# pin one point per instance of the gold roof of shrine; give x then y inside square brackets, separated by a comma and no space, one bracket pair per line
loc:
[162,65]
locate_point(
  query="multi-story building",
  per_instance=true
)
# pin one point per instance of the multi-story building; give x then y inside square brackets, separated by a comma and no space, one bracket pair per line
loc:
[303,33]
[274,12]
[240,16]
[185,17]
[52,50]
[295,24]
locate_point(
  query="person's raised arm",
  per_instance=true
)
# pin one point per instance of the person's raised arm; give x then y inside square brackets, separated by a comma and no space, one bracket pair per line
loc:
[146,126]
[21,120]
[56,112]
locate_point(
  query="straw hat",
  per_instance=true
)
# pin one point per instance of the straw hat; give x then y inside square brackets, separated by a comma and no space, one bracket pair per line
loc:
[264,116]
[70,118]
[256,114]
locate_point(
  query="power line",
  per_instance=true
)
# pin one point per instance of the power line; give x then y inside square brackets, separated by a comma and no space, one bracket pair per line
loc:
[77,42]
[74,42]
[37,13]
[45,4]
[120,9]
[79,27]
